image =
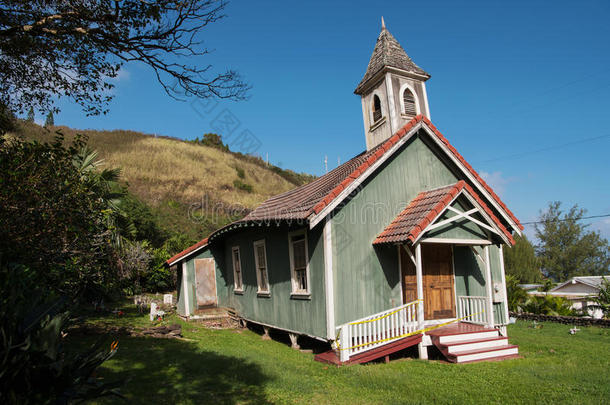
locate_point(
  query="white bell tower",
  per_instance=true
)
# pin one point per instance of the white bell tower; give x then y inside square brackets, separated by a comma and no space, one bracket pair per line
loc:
[393,90]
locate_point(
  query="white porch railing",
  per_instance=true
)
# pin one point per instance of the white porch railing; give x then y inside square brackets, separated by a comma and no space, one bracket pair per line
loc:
[377,330]
[472,309]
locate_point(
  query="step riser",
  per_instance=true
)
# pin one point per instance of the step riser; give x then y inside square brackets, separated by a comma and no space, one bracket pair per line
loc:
[448,339]
[487,355]
[477,345]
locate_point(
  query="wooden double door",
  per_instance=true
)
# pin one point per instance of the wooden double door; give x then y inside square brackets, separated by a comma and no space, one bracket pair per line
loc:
[438,280]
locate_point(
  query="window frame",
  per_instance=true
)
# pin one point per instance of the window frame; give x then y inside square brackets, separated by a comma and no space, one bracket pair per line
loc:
[403,88]
[261,292]
[236,289]
[296,293]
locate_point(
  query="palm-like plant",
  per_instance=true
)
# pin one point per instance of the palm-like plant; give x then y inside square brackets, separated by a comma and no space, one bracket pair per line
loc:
[105,183]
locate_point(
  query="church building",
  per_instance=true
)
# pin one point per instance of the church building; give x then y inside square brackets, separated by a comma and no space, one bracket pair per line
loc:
[400,246]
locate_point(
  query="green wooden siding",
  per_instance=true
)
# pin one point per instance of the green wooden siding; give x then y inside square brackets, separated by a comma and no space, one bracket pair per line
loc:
[307,316]
[470,274]
[366,278]
[460,229]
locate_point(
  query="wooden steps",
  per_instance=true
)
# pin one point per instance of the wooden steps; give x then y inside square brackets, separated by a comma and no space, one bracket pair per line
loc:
[331,356]
[467,343]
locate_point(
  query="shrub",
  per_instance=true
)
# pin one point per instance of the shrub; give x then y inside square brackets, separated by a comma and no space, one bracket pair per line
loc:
[240,172]
[240,185]
[35,368]
[55,216]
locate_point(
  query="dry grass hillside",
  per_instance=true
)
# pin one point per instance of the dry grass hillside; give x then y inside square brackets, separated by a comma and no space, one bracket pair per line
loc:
[188,185]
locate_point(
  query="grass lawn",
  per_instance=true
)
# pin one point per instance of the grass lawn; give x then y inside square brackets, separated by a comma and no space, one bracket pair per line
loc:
[236,366]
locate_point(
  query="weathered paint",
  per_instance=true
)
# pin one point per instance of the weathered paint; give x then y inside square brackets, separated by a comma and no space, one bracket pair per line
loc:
[470,274]
[367,279]
[190,282]
[279,308]
[461,228]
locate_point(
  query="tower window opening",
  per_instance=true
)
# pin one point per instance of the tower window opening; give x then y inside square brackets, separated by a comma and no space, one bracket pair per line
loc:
[376,109]
[409,103]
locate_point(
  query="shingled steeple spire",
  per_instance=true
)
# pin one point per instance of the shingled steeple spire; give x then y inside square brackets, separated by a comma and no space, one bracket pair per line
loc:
[389,53]
[393,89]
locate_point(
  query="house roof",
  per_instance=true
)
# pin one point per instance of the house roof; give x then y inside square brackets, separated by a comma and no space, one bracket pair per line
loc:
[191,249]
[310,199]
[424,209]
[592,281]
[388,53]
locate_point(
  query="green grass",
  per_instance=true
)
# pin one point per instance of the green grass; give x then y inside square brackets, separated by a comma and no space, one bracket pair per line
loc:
[234,367]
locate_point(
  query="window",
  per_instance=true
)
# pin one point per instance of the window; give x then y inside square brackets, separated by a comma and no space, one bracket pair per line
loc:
[408,100]
[299,263]
[376,108]
[260,260]
[237,275]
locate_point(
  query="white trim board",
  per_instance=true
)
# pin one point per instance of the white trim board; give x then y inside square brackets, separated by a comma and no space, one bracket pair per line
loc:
[475,242]
[329,280]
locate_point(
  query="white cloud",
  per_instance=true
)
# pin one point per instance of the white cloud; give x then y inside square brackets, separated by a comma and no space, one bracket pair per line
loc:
[497,181]
[122,75]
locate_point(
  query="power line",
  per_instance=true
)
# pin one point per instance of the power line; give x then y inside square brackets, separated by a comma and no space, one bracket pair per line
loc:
[567,219]
[546,149]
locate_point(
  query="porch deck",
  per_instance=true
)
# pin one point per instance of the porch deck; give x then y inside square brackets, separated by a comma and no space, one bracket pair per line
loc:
[331,356]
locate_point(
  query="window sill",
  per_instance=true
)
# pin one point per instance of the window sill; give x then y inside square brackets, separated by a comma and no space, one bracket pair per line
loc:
[263,294]
[377,123]
[407,116]
[300,296]
[238,292]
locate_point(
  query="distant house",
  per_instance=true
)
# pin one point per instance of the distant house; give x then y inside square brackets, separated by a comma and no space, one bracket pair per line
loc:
[530,287]
[404,236]
[580,291]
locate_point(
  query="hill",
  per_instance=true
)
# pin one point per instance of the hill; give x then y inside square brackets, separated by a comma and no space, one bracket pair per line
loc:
[191,188]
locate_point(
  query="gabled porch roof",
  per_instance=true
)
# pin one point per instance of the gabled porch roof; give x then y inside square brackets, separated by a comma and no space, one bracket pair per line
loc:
[424,210]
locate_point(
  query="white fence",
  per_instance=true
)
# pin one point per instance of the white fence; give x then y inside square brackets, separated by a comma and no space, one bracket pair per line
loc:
[377,330]
[472,309]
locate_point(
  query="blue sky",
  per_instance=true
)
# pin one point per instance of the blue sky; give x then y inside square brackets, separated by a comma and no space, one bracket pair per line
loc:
[508,79]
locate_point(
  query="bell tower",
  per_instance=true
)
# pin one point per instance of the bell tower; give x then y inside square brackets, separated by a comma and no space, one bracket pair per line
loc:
[393,90]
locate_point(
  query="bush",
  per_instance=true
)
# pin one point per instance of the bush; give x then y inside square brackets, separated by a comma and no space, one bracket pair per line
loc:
[240,172]
[34,366]
[143,268]
[240,185]
[55,216]
[549,305]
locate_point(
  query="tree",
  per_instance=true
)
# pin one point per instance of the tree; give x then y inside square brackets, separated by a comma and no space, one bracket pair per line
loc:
[602,301]
[50,121]
[31,115]
[566,248]
[57,48]
[54,217]
[521,261]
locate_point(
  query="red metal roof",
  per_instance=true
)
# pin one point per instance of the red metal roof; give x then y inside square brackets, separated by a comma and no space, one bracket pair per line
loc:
[188,250]
[424,209]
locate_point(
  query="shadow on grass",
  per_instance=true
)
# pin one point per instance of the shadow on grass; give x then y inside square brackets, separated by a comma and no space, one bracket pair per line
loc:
[170,371]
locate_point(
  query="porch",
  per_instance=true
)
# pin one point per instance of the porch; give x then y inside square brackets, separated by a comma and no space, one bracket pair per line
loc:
[449,244]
